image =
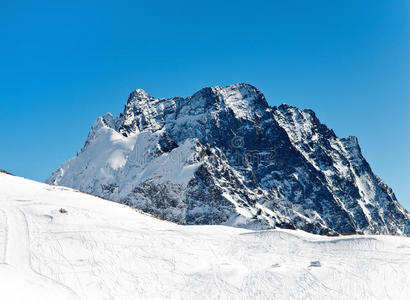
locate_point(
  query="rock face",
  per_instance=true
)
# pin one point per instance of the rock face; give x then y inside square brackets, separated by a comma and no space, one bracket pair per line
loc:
[224,156]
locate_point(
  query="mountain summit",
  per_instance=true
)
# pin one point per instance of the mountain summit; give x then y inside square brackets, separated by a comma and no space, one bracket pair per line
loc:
[224,156]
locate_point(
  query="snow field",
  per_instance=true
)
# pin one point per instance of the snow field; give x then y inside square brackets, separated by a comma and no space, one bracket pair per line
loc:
[104,250]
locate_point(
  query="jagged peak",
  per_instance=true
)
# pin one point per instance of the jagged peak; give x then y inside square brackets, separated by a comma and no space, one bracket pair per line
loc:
[138,95]
[287,107]
[243,99]
[306,118]
[245,89]
[230,86]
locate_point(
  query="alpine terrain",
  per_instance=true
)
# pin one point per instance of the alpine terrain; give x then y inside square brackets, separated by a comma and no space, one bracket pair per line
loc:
[224,156]
[58,243]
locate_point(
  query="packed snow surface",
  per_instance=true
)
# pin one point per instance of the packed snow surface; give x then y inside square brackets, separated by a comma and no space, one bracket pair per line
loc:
[58,243]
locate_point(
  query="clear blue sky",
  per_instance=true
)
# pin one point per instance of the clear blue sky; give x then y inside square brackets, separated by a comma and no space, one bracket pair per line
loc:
[64,64]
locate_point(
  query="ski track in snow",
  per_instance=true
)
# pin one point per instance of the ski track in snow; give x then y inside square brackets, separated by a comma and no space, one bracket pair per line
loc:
[104,250]
[17,239]
[17,253]
[3,236]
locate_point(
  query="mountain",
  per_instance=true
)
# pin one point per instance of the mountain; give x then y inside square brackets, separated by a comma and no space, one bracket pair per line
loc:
[58,243]
[224,156]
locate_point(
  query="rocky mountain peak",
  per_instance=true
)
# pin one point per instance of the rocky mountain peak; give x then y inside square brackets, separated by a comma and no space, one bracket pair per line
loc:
[241,98]
[223,156]
[138,95]
[143,112]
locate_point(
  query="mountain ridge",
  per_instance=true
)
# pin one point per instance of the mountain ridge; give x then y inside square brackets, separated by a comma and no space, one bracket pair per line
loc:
[224,156]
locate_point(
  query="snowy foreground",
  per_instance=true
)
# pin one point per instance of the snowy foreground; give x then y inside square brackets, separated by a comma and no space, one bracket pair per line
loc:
[104,250]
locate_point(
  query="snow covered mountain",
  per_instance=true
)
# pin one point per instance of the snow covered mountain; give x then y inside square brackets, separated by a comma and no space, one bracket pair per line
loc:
[58,243]
[224,156]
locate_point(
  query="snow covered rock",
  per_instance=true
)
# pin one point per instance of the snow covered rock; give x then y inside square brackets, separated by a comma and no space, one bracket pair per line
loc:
[224,156]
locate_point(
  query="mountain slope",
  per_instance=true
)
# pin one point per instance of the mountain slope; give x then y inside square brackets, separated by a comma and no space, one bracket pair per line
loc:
[98,249]
[224,156]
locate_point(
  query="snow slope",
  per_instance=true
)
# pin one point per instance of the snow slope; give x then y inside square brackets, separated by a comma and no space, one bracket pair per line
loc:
[105,250]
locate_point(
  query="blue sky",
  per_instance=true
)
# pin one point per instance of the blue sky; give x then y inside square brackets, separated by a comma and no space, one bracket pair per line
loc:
[65,64]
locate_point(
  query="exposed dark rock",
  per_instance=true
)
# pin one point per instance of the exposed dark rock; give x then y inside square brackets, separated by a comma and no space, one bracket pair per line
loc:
[224,156]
